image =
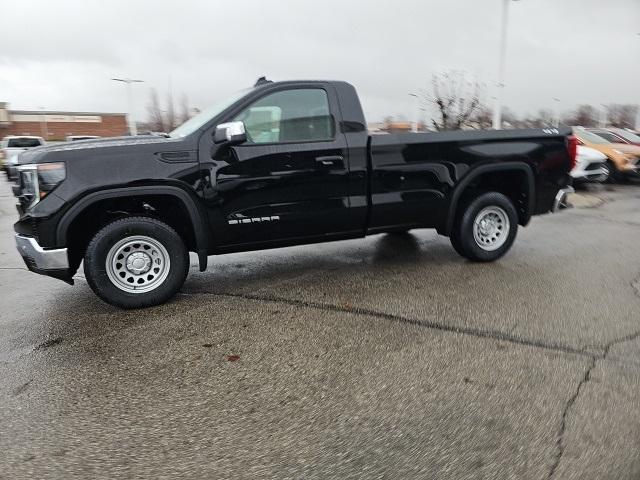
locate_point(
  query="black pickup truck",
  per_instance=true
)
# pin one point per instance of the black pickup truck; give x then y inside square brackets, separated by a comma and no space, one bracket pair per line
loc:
[278,164]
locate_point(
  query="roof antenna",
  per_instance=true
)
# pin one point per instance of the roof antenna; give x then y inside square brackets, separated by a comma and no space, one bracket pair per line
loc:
[262,81]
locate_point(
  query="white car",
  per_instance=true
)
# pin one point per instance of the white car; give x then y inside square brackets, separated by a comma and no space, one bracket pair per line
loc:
[14,145]
[591,166]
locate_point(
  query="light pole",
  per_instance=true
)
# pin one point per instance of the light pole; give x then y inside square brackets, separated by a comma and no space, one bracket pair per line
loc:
[414,126]
[604,116]
[133,129]
[497,111]
[557,100]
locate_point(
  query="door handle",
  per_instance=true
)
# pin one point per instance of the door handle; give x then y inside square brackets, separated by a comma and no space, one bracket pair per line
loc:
[330,159]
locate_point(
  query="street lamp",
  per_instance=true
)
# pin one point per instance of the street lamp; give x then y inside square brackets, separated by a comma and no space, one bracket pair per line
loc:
[497,111]
[414,124]
[557,100]
[133,129]
[604,117]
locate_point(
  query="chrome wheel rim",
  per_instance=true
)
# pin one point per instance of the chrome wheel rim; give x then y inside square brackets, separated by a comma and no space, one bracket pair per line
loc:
[137,264]
[491,228]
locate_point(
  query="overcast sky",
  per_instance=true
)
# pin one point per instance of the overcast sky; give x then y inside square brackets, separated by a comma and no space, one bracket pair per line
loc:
[60,55]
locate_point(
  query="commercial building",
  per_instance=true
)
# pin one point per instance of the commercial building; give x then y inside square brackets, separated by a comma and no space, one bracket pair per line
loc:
[54,125]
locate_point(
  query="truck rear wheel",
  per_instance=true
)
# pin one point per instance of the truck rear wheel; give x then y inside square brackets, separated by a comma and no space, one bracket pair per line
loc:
[136,262]
[486,228]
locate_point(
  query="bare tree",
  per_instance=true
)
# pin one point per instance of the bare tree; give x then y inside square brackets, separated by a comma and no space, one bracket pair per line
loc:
[584,116]
[543,118]
[456,97]
[482,119]
[510,119]
[171,114]
[387,122]
[184,108]
[154,111]
[622,115]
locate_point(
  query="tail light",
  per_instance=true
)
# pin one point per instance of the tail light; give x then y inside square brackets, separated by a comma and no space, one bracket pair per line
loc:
[572,150]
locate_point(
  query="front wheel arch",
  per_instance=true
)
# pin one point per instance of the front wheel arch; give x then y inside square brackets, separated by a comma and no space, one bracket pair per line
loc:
[197,237]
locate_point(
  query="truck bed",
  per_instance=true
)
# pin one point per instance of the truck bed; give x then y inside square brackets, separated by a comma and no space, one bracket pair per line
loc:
[420,170]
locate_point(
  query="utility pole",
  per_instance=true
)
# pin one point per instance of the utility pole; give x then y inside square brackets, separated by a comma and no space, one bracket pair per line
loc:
[414,124]
[557,111]
[603,116]
[497,111]
[133,129]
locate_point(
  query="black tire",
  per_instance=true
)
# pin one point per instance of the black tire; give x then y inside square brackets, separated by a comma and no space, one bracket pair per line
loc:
[497,206]
[112,237]
[613,173]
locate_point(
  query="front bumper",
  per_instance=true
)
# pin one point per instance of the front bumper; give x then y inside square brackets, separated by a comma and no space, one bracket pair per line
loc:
[591,172]
[560,202]
[631,170]
[54,263]
[12,172]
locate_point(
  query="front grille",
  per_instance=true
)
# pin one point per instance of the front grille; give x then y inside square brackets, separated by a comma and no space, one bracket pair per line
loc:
[34,229]
[593,166]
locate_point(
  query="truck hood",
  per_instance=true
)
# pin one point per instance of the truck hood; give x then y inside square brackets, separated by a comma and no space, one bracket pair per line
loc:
[102,146]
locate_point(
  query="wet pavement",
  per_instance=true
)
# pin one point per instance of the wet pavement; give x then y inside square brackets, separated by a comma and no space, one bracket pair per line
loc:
[387,357]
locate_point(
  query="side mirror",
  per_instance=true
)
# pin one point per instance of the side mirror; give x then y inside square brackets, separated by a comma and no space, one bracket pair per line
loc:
[231,133]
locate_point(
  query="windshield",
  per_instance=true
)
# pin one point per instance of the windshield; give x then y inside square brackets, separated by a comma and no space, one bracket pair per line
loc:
[589,137]
[194,123]
[630,137]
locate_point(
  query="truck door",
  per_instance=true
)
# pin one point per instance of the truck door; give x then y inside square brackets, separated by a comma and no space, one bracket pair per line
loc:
[290,178]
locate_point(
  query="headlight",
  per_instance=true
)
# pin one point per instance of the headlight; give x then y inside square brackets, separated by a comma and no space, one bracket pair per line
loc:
[36,181]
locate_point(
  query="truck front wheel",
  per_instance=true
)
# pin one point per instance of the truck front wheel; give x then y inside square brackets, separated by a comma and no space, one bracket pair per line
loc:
[136,262]
[486,227]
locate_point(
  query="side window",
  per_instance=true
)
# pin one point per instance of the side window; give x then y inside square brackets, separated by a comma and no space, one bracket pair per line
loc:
[298,115]
[609,136]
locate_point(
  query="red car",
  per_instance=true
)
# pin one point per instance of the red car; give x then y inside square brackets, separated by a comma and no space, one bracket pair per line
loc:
[617,135]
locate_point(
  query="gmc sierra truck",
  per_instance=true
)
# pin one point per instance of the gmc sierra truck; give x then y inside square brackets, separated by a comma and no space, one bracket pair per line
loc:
[278,164]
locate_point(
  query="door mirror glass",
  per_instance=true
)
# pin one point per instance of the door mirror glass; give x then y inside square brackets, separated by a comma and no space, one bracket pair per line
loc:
[232,133]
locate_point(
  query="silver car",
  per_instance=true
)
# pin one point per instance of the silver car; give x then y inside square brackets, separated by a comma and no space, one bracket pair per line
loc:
[14,145]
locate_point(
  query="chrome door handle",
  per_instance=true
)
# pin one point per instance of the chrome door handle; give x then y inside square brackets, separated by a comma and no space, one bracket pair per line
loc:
[330,159]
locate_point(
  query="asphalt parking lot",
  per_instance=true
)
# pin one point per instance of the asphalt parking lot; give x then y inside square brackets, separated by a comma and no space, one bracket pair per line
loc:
[389,357]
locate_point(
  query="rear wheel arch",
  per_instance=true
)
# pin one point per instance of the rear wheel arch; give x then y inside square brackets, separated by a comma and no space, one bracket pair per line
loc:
[513,179]
[80,223]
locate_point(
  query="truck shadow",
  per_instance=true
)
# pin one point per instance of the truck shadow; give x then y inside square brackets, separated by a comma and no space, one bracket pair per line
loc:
[255,270]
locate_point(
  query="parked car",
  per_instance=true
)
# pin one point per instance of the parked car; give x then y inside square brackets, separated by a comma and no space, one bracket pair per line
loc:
[75,138]
[591,166]
[617,135]
[623,159]
[14,145]
[279,164]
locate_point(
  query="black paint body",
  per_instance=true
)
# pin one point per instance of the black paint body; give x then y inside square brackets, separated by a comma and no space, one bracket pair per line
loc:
[371,184]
